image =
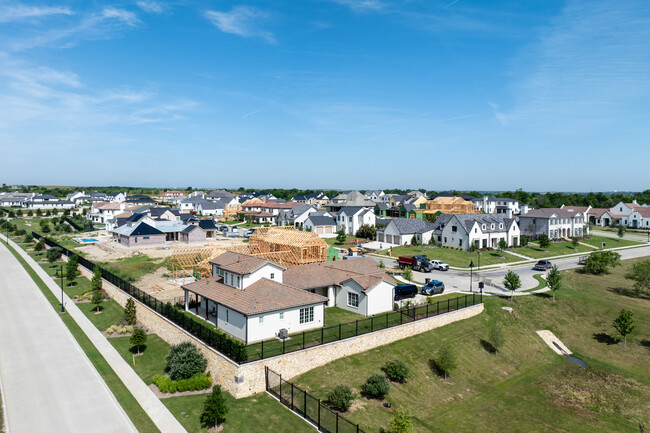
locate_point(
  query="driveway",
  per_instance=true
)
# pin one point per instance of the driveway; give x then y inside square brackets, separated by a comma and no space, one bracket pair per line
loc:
[48,382]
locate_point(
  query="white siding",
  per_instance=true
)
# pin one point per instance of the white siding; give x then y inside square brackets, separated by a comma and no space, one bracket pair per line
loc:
[264,272]
[380,299]
[272,323]
[231,321]
[342,297]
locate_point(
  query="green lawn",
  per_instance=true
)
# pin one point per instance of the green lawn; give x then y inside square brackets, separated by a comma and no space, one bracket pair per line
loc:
[334,242]
[152,360]
[455,258]
[336,315]
[130,405]
[257,414]
[135,267]
[555,249]
[541,283]
[526,387]
[111,313]
[597,241]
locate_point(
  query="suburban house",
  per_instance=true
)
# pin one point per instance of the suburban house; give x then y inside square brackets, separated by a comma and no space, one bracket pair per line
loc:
[323,226]
[47,201]
[171,196]
[315,199]
[246,298]
[640,218]
[140,199]
[357,285]
[192,234]
[497,205]
[220,194]
[101,212]
[264,212]
[603,217]
[556,223]
[296,216]
[347,199]
[480,230]
[140,234]
[624,211]
[374,194]
[351,218]
[400,231]
[210,208]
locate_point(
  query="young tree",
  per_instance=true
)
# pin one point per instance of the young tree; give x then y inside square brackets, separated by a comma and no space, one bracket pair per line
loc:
[511,282]
[46,228]
[130,315]
[408,274]
[214,409]
[502,245]
[71,269]
[402,422]
[340,236]
[544,241]
[640,274]
[53,254]
[575,241]
[39,212]
[624,324]
[446,359]
[366,231]
[138,338]
[28,239]
[96,282]
[340,398]
[523,241]
[40,246]
[30,213]
[620,231]
[599,262]
[381,264]
[496,337]
[97,299]
[554,280]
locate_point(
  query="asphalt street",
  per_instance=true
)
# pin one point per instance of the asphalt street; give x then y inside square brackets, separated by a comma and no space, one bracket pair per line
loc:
[49,384]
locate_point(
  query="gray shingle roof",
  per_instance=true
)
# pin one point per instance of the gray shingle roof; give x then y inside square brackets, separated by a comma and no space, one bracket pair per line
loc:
[321,220]
[412,225]
[468,220]
[548,212]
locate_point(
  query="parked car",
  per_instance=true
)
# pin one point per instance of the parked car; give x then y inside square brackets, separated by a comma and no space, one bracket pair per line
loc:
[433,287]
[248,233]
[418,263]
[223,228]
[543,265]
[406,291]
[440,265]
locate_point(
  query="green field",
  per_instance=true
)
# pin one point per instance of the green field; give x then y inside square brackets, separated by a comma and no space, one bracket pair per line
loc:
[555,249]
[111,313]
[526,387]
[152,361]
[597,241]
[257,414]
[349,241]
[456,258]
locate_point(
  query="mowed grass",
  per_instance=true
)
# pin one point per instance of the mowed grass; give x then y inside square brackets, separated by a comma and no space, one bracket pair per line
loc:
[555,249]
[110,313]
[257,414]
[151,362]
[597,241]
[526,387]
[456,258]
[336,315]
[130,405]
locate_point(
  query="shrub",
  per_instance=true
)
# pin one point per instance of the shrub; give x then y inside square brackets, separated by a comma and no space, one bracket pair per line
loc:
[214,409]
[120,329]
[340,398]
[40,246]
[408,274]
[402,422]
[397,370]
[130,312]
[53,254]
[599,262]
[446,359]
[524,241]
[28,239]
[376,386]
[194,383]
[20,232]
[544,241]
[184,360]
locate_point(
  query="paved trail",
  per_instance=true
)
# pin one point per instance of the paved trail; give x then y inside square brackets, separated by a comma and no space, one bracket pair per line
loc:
[49,384]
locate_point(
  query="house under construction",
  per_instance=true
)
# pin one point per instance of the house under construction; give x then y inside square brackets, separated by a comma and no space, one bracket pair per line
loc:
[283,245]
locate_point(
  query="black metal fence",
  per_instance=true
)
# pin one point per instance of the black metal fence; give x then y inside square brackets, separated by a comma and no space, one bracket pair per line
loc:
[73,224]
[241,353]
[306,339]
[221,342]
[308,406]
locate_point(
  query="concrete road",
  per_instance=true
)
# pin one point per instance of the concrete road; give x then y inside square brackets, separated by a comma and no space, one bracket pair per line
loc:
[48,382]
[457,281]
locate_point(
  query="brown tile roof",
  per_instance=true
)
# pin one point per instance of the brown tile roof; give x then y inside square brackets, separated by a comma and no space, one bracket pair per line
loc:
[581,209]
[240,263]
[107,205]
[260,297]
[598,212]
[363,270]
[643,211]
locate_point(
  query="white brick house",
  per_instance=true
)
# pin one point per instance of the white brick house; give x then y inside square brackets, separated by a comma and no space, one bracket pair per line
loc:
[481,230]
[351,218]
[556,223]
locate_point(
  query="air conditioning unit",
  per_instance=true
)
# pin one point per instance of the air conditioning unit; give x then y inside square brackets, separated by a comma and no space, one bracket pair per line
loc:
[283,333]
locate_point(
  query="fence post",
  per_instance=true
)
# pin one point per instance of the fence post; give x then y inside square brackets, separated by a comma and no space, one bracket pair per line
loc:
[266,376]
[318,414]
[283,342]
[291,395]
[303,339]
[280,389]
[339,331]
[427,310]
[438,308]
[263,350]
[457,303]
[304,393]
[473,298]
[386,320]
[337,422]
[322,338]
[448,305]
[401,317]
[372,323]
[356,327]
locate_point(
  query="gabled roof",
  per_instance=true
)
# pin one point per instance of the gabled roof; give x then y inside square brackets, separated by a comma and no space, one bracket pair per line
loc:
[241,264]
[468,221]
[190,228]
[261,297]
[406,226]
[350,210]
[207,225]
[545,213]
[321,220]
[382,206]
[140,229]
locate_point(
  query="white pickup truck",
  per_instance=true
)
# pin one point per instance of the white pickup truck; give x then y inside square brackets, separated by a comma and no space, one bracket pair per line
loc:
[440,265]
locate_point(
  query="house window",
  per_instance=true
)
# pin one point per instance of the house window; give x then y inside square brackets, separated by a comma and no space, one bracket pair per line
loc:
[146,237]
[439,238]
[483,227]
[261,319]
[492,226]
[353,300]
[282,316]
[475,230]
[306,315]
[237,283]
[273,277]
[445,239]
[227,311]
[460,242]
[454,228]
[500,226]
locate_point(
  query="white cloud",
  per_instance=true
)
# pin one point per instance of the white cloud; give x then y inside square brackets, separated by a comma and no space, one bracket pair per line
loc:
[150,6]
[21,12]
[501,117]
[242,21]
[362,5]
[127,17]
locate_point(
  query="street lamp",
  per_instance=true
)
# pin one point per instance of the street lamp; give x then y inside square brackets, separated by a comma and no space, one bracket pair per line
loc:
[60,275]
[471,269]
[479,260]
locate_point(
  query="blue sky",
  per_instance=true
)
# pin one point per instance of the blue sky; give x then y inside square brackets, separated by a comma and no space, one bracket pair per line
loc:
[541,95]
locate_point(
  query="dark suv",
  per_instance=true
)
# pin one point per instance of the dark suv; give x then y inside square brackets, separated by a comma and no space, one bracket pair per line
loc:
[543,265]
[433,287]
[406,291]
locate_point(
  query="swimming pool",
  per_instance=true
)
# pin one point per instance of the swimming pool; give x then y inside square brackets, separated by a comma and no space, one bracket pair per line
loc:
[87,241]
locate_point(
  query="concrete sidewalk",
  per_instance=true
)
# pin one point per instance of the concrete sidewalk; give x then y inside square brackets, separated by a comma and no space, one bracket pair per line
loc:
[157,411]
[49,383]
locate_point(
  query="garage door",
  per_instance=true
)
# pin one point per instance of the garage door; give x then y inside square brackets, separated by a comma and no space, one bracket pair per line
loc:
[329,229]
[389,239]
[319,230]
[380,237]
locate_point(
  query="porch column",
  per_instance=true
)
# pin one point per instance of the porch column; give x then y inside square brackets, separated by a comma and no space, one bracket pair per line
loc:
[207,304]
[331,301]
[197,305]
[187,300]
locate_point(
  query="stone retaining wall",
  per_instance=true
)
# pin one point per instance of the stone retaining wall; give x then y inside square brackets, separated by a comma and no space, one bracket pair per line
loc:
[249,379]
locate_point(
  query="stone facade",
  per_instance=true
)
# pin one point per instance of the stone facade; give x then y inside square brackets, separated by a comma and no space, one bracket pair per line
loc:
[249,379]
